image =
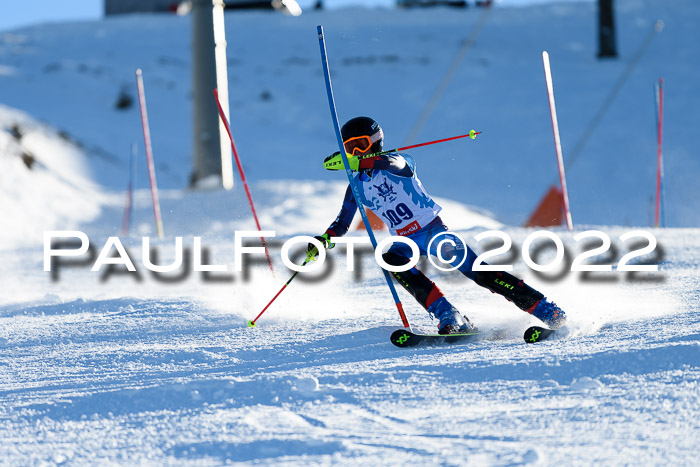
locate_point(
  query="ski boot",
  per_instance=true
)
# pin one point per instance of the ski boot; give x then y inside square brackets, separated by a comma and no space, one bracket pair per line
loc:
[549,313]
[451,321]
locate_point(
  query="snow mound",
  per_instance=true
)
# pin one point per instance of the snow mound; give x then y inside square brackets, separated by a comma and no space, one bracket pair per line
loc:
[44,184]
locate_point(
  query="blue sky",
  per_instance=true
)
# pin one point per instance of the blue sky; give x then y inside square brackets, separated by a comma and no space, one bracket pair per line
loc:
[14,13]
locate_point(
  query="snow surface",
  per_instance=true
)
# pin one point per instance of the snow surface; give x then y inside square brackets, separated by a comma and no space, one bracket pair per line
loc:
[110,368]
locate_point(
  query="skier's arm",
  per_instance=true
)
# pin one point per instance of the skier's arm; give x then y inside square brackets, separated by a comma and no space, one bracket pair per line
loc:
[341,224]
[393,163]
[338,228]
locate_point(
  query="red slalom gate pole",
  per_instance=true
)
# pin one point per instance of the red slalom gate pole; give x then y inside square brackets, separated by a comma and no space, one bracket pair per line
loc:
[149,152]
[659,152]
[245,182]
[557,140]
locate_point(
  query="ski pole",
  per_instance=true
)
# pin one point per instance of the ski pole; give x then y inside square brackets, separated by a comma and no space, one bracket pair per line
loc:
[331,163]
[251,323]
[472,134]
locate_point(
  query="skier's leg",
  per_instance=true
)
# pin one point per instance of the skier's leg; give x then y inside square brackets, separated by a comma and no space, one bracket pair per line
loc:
[515,290]
[522,295]
[458,254]
[426,292]
[414,281]
[510,287]
[451,251]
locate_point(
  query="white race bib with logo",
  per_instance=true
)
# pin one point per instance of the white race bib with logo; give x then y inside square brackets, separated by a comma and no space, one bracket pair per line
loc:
[401,202]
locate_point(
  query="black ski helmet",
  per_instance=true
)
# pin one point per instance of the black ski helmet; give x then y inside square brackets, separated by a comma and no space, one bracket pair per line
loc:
[364,126]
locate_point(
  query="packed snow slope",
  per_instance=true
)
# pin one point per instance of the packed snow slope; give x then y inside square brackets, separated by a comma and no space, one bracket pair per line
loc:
[143,368]
[387,63]
[126,369]
[151,369]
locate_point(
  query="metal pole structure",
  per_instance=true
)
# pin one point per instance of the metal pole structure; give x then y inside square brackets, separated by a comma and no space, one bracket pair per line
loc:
[607,44]
[206,139]
[222,87]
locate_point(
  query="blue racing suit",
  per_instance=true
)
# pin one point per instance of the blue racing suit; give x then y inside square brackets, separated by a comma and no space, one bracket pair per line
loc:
[389,186]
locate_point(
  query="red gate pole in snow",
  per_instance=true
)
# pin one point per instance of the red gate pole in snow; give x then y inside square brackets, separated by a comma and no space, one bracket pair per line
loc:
[557,140]
[243,179]
[149,152]
[659,153]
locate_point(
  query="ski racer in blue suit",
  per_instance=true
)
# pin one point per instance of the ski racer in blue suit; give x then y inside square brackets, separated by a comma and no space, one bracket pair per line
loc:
[388,185]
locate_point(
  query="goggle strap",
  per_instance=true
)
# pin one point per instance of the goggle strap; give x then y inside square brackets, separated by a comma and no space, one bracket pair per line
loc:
[377,136]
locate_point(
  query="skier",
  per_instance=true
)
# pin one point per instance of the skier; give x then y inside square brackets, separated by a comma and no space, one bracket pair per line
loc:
[389,186]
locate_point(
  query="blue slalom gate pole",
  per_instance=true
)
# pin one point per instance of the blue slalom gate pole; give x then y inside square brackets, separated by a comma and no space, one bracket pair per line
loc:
[348,172]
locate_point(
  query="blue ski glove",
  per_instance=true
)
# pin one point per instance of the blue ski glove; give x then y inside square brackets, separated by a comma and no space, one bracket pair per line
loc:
[312,251]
